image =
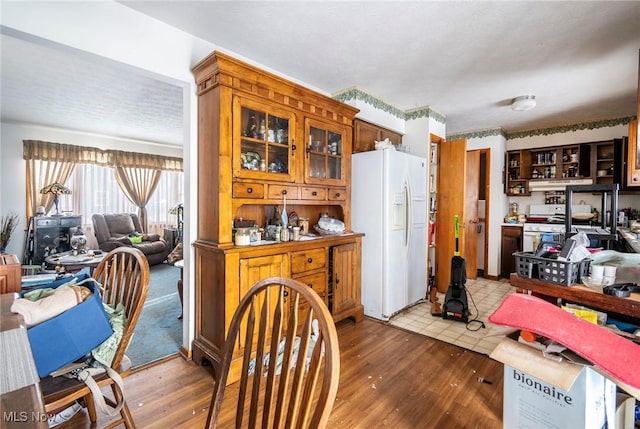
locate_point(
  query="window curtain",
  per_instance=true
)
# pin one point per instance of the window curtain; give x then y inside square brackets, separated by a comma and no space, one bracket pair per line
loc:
[138,184]
[45,165]
[138,177]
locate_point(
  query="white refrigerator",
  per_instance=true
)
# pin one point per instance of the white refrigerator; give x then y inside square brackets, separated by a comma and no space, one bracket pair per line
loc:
[389,205]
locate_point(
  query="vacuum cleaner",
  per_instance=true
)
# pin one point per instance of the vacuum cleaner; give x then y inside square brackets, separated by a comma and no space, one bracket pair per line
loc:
[456,306]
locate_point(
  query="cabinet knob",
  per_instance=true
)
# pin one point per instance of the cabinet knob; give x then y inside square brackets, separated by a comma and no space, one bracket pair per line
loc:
[284,192]
[310,260]
[310,285]
[249,190]
[285,293]
[293,144]
[337,281]
[337,194]
[314,193]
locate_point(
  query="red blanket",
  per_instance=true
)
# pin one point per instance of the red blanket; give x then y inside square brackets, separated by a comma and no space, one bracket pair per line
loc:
[614,355]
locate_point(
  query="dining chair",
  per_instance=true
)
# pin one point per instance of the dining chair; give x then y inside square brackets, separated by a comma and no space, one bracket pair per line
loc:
[124,276]
[283,345]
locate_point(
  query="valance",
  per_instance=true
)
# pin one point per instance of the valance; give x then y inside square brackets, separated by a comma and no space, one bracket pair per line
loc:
[48,151]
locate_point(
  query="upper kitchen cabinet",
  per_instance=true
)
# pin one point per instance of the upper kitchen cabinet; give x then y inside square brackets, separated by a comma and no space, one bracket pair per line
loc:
[603,161]
[366,134]
[325,153]
[518,170]
[264,149]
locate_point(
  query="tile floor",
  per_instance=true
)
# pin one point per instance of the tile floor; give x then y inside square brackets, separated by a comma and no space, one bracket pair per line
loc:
[487,295]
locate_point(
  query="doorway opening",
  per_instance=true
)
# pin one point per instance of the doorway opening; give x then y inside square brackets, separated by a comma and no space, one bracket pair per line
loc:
[483,210]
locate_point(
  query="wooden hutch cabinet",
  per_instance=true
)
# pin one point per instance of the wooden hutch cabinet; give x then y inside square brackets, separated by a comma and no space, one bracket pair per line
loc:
[264,142]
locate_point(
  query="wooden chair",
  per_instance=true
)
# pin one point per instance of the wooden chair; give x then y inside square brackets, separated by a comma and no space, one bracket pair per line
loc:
[298,388]
[124,276]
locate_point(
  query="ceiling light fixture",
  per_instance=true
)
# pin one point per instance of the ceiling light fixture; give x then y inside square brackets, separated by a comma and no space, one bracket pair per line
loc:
[524,102]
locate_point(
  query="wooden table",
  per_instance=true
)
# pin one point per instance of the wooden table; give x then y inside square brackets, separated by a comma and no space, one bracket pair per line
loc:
[22,402]
[73,263]
[580,294]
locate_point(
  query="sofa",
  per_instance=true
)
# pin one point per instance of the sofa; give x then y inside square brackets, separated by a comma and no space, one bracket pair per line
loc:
[123,229]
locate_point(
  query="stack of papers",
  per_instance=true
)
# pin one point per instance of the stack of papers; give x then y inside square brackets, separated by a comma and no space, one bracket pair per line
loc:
[70,259]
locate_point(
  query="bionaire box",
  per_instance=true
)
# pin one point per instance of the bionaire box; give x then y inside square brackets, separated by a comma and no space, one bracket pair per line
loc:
[543,393]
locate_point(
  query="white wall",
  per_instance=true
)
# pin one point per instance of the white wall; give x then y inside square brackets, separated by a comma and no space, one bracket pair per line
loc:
[376,116]
[418,132]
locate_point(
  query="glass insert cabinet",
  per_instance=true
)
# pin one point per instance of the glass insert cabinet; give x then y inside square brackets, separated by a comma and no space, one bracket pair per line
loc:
[324,160]
[267,143]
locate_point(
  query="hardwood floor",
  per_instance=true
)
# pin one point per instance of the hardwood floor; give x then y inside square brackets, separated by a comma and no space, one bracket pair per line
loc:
[390,378]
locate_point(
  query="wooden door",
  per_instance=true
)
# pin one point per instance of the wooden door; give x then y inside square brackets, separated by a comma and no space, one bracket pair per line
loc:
[253,270]
[470,219]
[344,284]
[452,165]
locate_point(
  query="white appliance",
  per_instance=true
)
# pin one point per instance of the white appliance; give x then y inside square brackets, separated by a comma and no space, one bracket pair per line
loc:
[389,205]
[547,219]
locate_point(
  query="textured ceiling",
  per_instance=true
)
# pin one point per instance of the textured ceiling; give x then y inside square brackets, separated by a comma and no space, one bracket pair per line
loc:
[466,60]
[61,88]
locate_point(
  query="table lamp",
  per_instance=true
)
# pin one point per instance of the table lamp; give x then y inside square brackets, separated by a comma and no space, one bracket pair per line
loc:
[56,189]
[178,210]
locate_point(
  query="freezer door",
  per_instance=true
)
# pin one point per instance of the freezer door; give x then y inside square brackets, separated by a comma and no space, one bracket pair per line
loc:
[367,217]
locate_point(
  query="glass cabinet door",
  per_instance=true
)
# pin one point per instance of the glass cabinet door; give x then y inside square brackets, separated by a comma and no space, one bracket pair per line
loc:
[324,160]
[263,141]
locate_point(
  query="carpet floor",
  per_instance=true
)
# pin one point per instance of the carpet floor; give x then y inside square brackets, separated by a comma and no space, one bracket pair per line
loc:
[486,294]
[159,331]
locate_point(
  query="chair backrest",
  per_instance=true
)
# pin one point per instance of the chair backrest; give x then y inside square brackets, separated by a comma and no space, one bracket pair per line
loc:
[290,363]
[124,276]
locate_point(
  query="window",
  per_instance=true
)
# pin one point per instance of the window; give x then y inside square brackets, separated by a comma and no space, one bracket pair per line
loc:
[95,190]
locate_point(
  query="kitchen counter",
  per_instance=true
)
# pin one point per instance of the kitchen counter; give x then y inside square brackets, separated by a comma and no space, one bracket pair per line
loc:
[631,239]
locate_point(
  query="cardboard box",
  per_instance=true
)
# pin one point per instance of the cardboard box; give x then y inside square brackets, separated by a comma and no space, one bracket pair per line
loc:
[543,393]
[70,335]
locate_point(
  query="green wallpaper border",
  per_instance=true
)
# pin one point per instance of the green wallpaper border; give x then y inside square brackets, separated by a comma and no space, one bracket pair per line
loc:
[591,125]
[356,93]
[479,134]
[360,95]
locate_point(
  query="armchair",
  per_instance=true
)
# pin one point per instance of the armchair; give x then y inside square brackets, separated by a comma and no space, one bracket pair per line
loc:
[115,230]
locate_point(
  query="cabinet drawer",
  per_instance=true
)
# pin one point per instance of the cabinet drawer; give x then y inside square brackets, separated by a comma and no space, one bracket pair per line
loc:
[277,192]
[70,221]
[47,222]
[512,231]
[248,190]
[313,194]
[337,194]
[317,282]
[308,260]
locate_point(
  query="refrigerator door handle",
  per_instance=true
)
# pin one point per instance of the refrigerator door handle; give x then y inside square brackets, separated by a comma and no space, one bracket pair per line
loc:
[407,214]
